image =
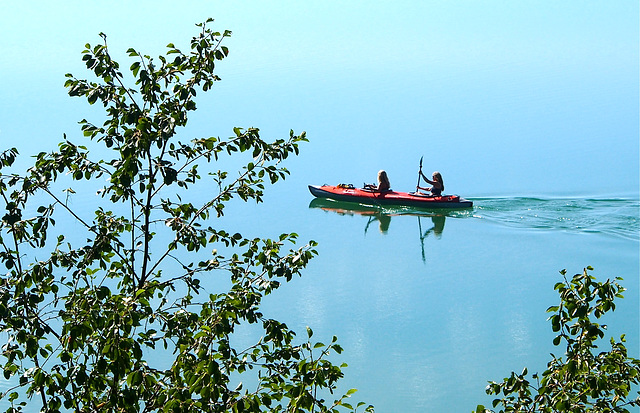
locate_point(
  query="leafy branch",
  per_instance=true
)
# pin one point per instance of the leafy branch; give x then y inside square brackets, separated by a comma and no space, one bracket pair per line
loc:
[581,381]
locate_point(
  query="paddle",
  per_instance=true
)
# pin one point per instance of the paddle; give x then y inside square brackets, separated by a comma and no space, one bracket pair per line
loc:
[420,170]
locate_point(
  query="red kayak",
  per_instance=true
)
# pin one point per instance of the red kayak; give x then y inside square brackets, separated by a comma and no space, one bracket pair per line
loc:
[349,193]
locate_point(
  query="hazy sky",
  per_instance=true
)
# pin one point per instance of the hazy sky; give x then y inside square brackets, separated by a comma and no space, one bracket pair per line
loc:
[504,97]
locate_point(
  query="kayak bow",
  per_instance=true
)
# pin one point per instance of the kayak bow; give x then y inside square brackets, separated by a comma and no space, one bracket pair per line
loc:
[371,197]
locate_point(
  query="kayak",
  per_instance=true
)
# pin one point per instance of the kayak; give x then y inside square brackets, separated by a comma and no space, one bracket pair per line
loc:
[349,193]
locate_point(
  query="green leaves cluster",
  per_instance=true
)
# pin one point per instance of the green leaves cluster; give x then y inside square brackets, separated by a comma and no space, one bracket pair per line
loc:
[86,321]
[583,380]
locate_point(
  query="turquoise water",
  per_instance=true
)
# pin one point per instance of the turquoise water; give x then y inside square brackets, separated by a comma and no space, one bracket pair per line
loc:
[608,217]
[430,305]
[432,317]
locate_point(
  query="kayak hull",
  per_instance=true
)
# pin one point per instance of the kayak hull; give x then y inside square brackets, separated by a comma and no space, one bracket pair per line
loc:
[390,198]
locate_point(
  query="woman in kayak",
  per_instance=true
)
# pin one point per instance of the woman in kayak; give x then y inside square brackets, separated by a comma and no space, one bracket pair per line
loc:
[438,183]
[383,182]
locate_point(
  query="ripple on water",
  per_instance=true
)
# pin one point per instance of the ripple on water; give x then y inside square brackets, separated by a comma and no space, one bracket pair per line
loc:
[614,217]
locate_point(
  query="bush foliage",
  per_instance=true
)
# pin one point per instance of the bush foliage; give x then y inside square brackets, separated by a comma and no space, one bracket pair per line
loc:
[583,380]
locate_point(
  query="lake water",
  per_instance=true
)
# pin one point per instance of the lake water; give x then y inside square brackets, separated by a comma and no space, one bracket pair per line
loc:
[429,306]
[529,109]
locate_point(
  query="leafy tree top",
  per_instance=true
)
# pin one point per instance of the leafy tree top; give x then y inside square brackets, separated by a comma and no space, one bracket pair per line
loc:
[85,321]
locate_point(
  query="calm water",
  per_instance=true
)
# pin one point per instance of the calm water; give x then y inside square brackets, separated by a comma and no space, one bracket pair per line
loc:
[431,305]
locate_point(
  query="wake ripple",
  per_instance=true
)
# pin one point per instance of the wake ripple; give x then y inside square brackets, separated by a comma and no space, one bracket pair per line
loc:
[614,217]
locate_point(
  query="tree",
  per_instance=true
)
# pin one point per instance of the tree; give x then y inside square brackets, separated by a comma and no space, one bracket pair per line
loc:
[581,381]
[84,320]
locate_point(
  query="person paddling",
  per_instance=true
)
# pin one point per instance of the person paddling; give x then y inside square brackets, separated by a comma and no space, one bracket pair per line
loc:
[437,183]
[383,183]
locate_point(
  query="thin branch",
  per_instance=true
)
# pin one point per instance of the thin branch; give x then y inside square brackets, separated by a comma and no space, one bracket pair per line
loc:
[174,243]
[87,226]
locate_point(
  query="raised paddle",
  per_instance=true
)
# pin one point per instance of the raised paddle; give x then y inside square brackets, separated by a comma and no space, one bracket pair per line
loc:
[418,184]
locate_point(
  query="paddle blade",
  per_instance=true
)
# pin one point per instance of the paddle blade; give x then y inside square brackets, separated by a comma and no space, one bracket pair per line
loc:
[418,184]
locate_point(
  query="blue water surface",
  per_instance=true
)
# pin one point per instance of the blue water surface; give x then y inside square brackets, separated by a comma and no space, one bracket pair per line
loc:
[431,305]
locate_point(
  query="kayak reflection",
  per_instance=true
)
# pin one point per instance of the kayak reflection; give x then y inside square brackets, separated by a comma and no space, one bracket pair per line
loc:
[375,214]
[383,215]
[430,222]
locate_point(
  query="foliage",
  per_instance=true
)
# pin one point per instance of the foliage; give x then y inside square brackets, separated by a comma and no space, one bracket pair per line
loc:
[581,381]
[85,321]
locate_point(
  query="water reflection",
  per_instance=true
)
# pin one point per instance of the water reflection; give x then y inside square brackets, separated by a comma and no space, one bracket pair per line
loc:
[614,217]
[430,222]
[383,217]
[383,220]
[437,220]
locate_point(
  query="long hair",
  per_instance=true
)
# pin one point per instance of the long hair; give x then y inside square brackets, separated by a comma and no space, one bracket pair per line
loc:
[438,177]
[383,179]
